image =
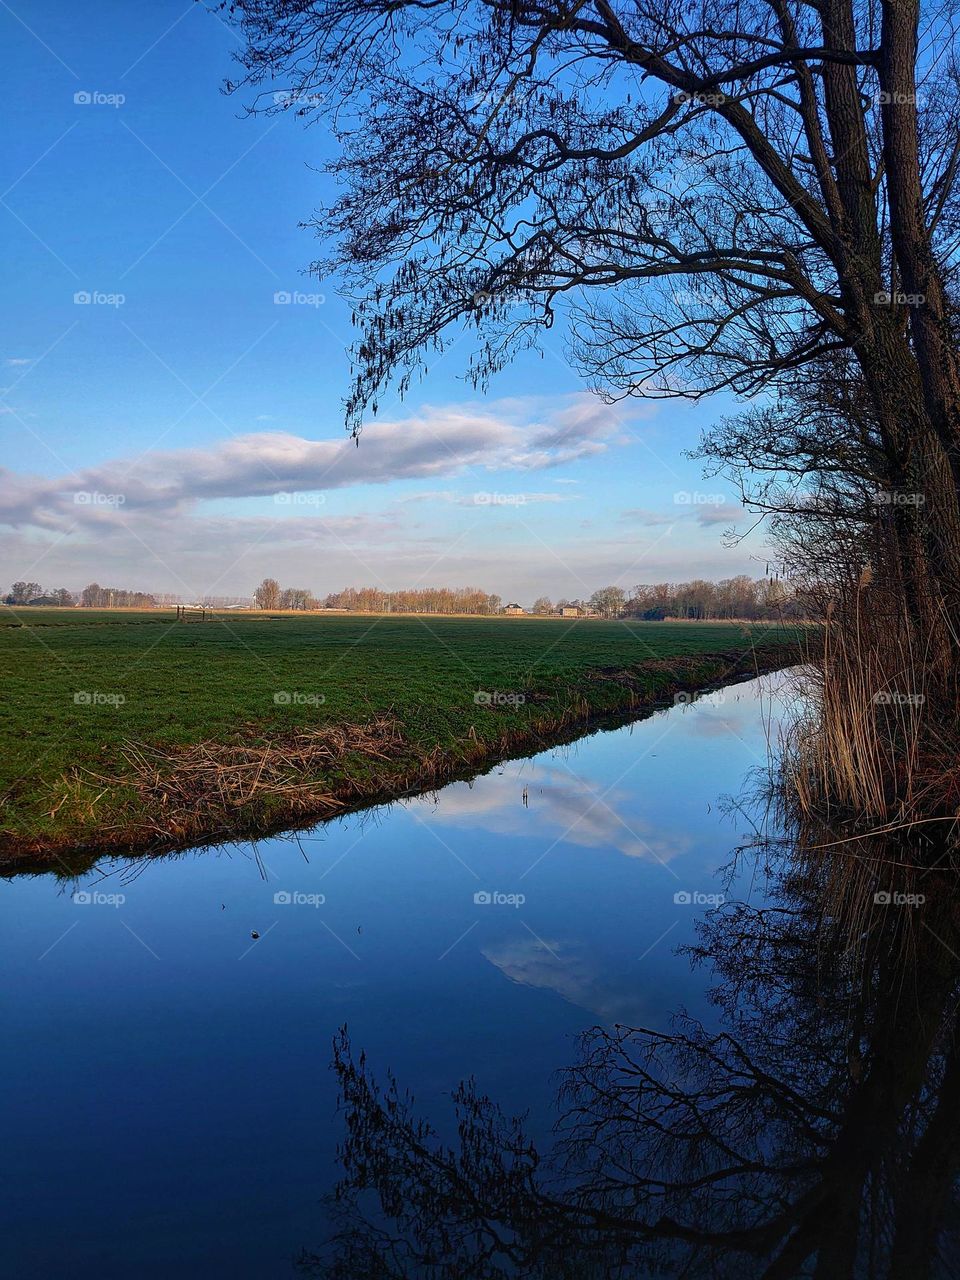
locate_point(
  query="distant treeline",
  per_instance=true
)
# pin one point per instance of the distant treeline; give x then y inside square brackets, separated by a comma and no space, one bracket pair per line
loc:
[91,597]
[33,593]
[270,595]
[420,600]
[96,597]
[738,597]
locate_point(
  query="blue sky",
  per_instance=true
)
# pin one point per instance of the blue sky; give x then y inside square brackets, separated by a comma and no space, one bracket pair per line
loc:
[182,431]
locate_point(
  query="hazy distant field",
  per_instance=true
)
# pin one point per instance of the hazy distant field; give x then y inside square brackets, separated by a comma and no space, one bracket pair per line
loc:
[80,682]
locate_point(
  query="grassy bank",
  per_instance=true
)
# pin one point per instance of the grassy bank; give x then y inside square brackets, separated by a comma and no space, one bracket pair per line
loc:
[134,731]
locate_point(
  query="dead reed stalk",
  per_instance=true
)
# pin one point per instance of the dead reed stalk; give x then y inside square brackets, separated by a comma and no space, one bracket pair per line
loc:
[876,744]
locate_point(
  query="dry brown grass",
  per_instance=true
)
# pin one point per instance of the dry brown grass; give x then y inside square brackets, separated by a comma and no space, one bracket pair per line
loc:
[205,785]
[877,745]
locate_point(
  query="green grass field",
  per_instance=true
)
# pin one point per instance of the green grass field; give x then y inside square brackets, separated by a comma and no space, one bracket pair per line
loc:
[82,683]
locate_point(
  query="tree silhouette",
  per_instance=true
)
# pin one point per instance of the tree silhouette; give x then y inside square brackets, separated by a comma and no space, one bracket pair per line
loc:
[756,197]
[815,1132]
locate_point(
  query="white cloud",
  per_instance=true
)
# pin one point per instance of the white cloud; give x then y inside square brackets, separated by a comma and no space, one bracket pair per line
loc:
[575,973]
[560,806]
[473,441]
[177,526]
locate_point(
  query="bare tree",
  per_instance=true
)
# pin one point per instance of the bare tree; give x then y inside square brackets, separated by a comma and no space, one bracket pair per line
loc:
[267,595]
[609,601]
[720,197]
[94,596]
[297,598]
[22,592]
[813,1132]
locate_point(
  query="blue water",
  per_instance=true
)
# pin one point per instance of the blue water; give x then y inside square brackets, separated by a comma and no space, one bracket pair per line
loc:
[168,1103]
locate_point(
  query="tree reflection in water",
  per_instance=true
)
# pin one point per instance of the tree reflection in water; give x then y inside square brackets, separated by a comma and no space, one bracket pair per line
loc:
[815,1133]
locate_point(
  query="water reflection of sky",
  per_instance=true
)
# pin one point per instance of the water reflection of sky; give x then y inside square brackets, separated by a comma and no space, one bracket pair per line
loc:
[166,1074]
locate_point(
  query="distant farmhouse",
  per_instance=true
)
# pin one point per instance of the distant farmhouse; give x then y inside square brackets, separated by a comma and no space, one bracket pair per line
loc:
[514,611]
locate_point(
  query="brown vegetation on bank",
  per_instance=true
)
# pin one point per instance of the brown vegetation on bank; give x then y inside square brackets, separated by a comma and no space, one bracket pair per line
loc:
[877,744]
[154,800]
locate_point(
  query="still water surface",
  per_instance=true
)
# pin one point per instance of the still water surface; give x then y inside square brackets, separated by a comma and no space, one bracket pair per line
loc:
[169,1108]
